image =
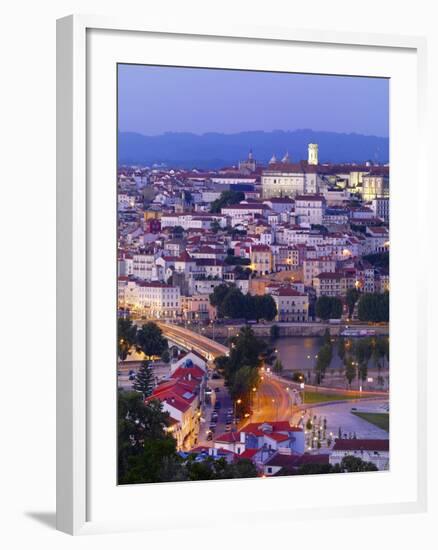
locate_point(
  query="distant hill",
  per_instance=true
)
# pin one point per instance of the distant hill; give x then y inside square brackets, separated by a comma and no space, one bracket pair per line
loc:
[186,150]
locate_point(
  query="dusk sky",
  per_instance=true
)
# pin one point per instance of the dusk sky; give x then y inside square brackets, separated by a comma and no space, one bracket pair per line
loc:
[154,100]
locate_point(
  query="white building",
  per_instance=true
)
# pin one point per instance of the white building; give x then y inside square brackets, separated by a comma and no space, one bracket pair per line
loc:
[143,265]
[310,208]
[153,299]
[369,450]
[313,267]
[292,306]
[380,207]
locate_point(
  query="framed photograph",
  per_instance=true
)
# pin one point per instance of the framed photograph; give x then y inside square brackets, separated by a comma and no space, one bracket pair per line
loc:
[236,207]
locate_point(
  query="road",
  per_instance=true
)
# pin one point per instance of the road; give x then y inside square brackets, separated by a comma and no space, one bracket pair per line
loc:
[272,401]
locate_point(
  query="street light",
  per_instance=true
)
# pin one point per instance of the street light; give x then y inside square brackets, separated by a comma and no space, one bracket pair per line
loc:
[237,402]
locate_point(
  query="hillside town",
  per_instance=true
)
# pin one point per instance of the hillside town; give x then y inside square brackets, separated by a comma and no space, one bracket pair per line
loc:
[216,263]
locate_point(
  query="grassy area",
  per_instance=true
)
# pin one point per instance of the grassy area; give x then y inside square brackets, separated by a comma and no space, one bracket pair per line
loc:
[381,420]
[311,397]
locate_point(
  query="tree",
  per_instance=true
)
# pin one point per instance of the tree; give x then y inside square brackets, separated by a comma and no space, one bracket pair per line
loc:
[341,348]
[144,380]
[323,361]
[137,421]
[265,307]
[350,369]
[243,468]
[278,367]
[298,376]
[165,356]
[218,295]
[150,340]
[362,351]
[378,259]
[336,308]
[233,304]
[374,307]
[126,337]
[215,226]
[274,332]
[157,462]
[240,369]
[227,198]
[177,231]
[328,307]
[351,298]
[354,464]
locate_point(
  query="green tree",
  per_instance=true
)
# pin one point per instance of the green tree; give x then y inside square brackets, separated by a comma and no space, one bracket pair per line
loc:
[215,226]
[328,307]
[165,356]
[351,298]
[355,464]
[157,462]
[341,348]
[323,361]
[265,307]
[233,304]
[227,198]
[150,340]
[274,332]
[240,369]
[374,307]
[177,231]
[278,367]
[137,421]
[144,380]
[378,259]
[362,351]
[218,295]
[243,468]
[350,369]
[126,337]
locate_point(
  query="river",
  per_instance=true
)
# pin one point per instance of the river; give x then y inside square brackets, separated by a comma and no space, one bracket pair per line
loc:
[297,353]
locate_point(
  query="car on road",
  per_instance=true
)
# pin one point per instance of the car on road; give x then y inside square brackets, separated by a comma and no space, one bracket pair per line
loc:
[131,372]
[215,376]
[228,428]
[209,436]
[217,390]
[132,377]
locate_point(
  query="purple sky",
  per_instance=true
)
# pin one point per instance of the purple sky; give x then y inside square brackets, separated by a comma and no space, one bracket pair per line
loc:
[154,100]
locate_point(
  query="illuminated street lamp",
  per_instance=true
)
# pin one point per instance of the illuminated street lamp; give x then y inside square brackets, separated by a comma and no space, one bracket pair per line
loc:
[237,402]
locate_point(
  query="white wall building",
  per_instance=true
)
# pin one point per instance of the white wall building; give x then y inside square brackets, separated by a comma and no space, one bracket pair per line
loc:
[369,450]
[310,208]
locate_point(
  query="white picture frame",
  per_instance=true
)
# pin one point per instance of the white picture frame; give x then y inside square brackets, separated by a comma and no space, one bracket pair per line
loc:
[76,212]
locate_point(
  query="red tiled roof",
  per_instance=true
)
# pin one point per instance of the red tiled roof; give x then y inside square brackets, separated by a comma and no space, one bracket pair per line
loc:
[249,453]
[230,437]
[361,445]
[183,372]
[329,276]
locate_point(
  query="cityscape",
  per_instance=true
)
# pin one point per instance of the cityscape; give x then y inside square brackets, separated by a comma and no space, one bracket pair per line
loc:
[253,288]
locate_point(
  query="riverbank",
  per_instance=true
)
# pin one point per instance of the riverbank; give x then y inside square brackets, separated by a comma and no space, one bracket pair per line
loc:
[287,329]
